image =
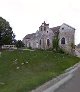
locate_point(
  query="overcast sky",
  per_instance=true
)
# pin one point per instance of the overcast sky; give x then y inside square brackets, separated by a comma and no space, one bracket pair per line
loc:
[25,16]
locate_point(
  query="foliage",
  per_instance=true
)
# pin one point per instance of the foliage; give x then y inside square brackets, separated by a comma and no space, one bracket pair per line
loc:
[55,43]
[29,47]
[60,50]
[6,34]
[19,44]
[56,47]
[72,46]
[30,75]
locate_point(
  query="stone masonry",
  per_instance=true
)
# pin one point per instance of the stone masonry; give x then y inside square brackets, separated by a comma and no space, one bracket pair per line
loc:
[43,37]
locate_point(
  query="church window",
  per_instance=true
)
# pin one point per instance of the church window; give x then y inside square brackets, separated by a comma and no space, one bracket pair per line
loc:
[62,28]
[40,42]
[44,28]
[63,40]
[48,42]
[41,28]
[47,31]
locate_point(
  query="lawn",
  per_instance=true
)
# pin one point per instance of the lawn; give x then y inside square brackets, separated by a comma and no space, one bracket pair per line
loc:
[22,71]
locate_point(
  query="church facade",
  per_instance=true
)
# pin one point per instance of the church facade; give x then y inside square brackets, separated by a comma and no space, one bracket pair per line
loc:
[43,38]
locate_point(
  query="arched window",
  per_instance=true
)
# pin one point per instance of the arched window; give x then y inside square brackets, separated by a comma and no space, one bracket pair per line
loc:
[63,40]
[48,42]
[41,28]
[63,28]
[40,42]
[44,28]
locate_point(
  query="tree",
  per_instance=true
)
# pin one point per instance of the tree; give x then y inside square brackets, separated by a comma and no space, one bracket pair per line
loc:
[19,44]
[56,43]
[6,34]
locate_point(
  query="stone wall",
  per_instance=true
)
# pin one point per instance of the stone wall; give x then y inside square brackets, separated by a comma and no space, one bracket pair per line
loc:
[46,35]
[66,32]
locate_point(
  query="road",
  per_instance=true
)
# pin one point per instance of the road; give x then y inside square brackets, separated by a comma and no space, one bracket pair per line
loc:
[72,85]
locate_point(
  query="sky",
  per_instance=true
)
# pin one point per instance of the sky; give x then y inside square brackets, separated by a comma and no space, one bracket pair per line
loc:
[25,16]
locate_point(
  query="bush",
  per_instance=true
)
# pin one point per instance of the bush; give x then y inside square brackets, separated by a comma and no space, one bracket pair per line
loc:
[56,43]
[30,47]
[61,50]
[19,44]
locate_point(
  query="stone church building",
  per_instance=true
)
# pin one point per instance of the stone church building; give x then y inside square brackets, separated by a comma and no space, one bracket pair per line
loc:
[43,38]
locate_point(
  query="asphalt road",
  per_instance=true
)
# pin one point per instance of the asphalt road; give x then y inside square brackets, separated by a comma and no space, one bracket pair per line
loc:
[72,85]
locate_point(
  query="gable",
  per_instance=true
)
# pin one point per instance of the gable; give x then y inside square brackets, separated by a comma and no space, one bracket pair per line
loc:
[66,27]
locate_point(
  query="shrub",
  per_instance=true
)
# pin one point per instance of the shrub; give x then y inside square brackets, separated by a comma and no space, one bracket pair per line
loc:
[29,47]
[55,43]
[61,50]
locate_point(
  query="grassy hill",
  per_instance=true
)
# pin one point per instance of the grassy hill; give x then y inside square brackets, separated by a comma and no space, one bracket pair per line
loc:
[22,71]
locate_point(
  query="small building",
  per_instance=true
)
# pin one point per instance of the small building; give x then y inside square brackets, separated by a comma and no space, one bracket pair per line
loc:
[9,47]
[43,38]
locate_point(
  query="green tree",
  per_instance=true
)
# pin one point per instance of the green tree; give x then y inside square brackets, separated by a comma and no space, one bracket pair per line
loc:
[19,44]
[6,34]
[56,43]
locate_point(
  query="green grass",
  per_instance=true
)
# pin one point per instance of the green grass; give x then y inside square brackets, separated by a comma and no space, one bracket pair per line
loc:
[41,67]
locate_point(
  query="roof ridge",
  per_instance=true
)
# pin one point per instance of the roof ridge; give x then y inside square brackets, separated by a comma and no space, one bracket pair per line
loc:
[68,25]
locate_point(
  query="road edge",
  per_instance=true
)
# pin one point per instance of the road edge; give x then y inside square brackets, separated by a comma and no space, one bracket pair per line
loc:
[55,83]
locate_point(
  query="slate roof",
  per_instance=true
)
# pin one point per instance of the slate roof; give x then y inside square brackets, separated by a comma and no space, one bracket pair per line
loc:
[69,26]
[29,36]
[55,29]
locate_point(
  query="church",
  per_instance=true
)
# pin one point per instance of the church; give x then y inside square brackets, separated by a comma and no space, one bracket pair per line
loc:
[43,38]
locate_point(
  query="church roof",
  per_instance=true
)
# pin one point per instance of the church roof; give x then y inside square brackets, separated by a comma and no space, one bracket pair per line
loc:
[29,36]
[55,29]
[68,25]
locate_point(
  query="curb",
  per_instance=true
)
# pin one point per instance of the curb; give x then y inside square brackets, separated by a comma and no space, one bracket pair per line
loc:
[55,83]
